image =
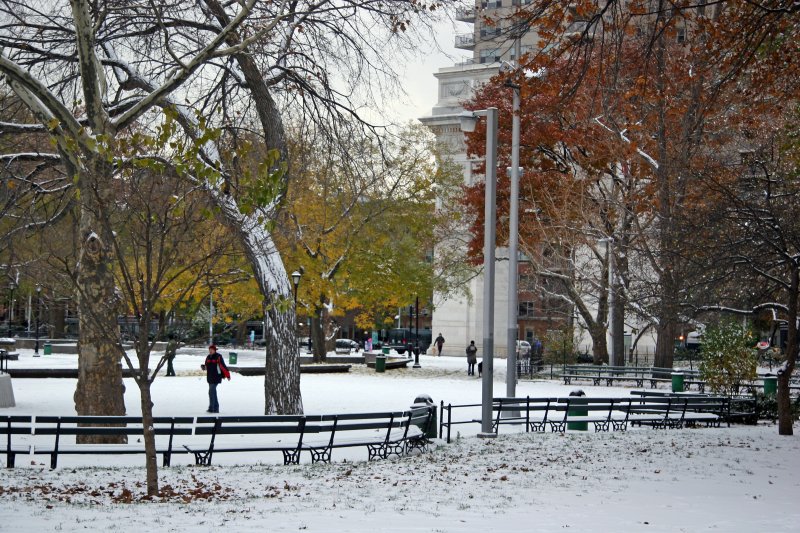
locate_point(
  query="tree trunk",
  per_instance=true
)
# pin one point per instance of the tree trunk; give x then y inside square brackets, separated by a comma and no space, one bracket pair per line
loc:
[151,461]
[282,370]
[785,418]
[667,328]
[599,346]
[100,390]
[318,337]
[618,333]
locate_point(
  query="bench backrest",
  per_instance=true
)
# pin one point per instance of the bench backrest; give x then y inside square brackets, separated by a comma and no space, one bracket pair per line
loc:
[588,403]
[260,424]
[364,421]
[110,425]
[16,425]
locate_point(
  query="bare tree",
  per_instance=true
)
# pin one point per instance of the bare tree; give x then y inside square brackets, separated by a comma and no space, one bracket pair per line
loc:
[91,71]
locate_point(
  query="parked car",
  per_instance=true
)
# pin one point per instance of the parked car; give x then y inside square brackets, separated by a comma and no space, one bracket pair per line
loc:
[345,346]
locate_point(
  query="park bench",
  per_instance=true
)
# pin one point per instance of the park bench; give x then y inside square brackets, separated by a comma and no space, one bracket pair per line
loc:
[15,425]
[61,427]
[540,413]
[261,433]
[603,413]
[677,410]
[533,412]
[383,434]
[608,374]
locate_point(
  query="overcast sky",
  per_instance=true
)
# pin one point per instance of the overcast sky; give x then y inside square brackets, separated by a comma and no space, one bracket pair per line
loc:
[419,83]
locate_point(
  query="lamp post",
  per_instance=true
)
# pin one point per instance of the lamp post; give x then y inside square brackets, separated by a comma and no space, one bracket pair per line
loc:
[416,338]
[10,310]
[469,120]
[38,313]
[513,235]
[211,317]
[296,275]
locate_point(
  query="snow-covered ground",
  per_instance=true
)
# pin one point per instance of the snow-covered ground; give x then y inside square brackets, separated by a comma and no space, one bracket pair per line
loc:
[737,479]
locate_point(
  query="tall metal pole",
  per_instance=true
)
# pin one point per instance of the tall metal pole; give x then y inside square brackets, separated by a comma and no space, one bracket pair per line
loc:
[490,214]
[416,341]
[38,314]
[513,237]
[211,318]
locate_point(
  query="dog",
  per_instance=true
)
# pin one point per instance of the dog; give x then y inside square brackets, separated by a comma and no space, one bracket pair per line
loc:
[480,368]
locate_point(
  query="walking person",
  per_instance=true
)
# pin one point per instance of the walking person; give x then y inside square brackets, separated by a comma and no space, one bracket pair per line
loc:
[472,358]
[215,370]
[439,342]
[252,339]
[169,354]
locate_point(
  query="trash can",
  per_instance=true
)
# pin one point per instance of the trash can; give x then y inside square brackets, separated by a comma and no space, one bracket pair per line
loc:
[423,400]
[380,363]
[385,351]
[48,349]
[575,409]
[770,385]
[233,357]
[677,382]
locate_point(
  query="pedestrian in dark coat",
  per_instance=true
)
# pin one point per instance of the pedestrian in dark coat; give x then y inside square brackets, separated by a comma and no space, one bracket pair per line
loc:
[215,370]
[169,355]
[472,358]
[439,342]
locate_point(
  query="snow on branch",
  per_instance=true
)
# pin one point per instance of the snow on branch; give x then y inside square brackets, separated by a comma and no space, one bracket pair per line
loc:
[774,306]
[621,134]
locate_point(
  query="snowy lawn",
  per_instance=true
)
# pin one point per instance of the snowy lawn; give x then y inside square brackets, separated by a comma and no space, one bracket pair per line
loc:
[737,479]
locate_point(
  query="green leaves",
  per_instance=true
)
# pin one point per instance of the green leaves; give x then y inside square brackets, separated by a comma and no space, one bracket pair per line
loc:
[729,358]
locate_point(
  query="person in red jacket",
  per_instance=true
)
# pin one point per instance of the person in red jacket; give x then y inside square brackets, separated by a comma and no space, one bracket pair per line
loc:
[215,370]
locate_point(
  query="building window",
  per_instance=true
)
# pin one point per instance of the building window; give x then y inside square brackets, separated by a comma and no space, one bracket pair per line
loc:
[526,310]
[490,55]
[491,31]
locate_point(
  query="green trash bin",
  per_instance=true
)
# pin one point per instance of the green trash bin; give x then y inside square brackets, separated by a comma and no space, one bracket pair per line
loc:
[380,363]
[48,349]
[770,385]
[385,351]
[233,357]
[575,409]
[677,382]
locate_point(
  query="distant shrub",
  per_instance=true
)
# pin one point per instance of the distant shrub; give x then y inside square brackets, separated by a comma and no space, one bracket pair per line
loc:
[728,357]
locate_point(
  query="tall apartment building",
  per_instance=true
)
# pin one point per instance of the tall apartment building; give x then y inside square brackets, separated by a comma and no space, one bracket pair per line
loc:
[461,320]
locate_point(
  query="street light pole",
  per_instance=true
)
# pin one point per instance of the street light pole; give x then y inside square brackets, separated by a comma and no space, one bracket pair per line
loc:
[468,123]
[38,313]
[513,237]
[416,339]
[211,318]
[296,275]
